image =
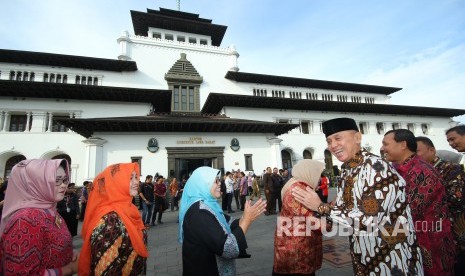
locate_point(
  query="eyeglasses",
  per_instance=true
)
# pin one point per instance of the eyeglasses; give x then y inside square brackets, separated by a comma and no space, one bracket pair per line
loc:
[60,181]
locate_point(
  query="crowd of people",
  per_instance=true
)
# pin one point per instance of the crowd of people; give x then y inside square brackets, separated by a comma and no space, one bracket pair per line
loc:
[405,208]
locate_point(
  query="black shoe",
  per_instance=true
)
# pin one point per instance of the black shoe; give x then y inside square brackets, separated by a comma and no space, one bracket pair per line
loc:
[160,222]
[267,213]
[152,224]
[230,212]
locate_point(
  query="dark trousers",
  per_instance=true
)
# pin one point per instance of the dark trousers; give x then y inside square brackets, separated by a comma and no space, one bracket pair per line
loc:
[236,197]
[229,201]
[83,211]
[270,202]
[277,196]
[158,207]
[242,202]
[224,201]
[71,221]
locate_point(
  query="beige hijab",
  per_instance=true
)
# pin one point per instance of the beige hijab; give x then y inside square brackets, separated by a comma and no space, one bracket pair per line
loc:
[307,171]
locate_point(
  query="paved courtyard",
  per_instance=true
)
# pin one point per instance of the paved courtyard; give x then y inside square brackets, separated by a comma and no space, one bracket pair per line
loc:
[165,251]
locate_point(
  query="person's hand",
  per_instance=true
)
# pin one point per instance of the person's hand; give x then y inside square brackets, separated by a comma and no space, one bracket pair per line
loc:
[306,197]
[77,216]
[72,267]
[251,213]
[75,256]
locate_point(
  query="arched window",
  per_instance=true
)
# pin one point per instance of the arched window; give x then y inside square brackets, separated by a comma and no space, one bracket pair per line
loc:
[286,158]
[307,154]
[63,156]
[10,163]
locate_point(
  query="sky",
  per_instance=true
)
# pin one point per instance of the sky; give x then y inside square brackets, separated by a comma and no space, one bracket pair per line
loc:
[416,45]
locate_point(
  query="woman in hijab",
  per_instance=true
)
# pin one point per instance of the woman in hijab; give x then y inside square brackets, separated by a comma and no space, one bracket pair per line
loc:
[211,240]
[121,251]
[34,237]
[297,252]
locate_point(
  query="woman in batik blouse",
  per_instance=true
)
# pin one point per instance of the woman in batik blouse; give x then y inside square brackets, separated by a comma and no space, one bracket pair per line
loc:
[296,252]
[34,239]
[211,241]
[121,251]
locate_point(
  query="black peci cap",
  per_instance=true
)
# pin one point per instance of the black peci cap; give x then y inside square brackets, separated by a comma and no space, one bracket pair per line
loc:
[337,125]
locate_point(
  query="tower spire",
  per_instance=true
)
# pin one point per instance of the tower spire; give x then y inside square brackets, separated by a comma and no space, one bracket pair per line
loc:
[179,4]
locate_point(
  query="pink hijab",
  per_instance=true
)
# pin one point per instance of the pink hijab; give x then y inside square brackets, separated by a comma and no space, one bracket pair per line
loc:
[31,185]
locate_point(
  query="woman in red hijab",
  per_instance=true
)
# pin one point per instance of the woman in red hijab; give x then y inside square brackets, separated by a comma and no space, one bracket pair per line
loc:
[121,251]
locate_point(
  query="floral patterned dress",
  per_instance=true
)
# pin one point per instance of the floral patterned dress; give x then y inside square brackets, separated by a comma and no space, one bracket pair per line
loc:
[426,196]
[296,252]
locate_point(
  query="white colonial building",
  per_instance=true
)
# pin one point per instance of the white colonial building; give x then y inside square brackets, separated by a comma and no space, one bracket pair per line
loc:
[175,99]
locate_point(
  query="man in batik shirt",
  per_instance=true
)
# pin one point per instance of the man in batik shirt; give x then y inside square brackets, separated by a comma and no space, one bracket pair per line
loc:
[371,200]
[454,181]
[456,137]
[426,196]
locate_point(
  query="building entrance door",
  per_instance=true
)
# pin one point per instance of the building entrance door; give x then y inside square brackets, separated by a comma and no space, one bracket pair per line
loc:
[183,161]
[185,167]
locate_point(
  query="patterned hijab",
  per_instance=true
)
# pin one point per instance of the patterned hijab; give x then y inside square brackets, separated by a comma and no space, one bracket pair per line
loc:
[306,170]
[31,185]
[196,189]
[109,192]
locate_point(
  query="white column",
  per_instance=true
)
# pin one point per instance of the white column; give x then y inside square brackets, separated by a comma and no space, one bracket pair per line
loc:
[316,129]
[370,129]
[2,119]
[50,122]
[234,56]
[71,115]
[6,121]
[94,157]
[123,46]
[417,129]
[310,127]
[74,169]
[28,121]
[276,159]
[387,126]
[38,121]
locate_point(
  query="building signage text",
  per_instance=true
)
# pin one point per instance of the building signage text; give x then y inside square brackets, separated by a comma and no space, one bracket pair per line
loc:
[196,140]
